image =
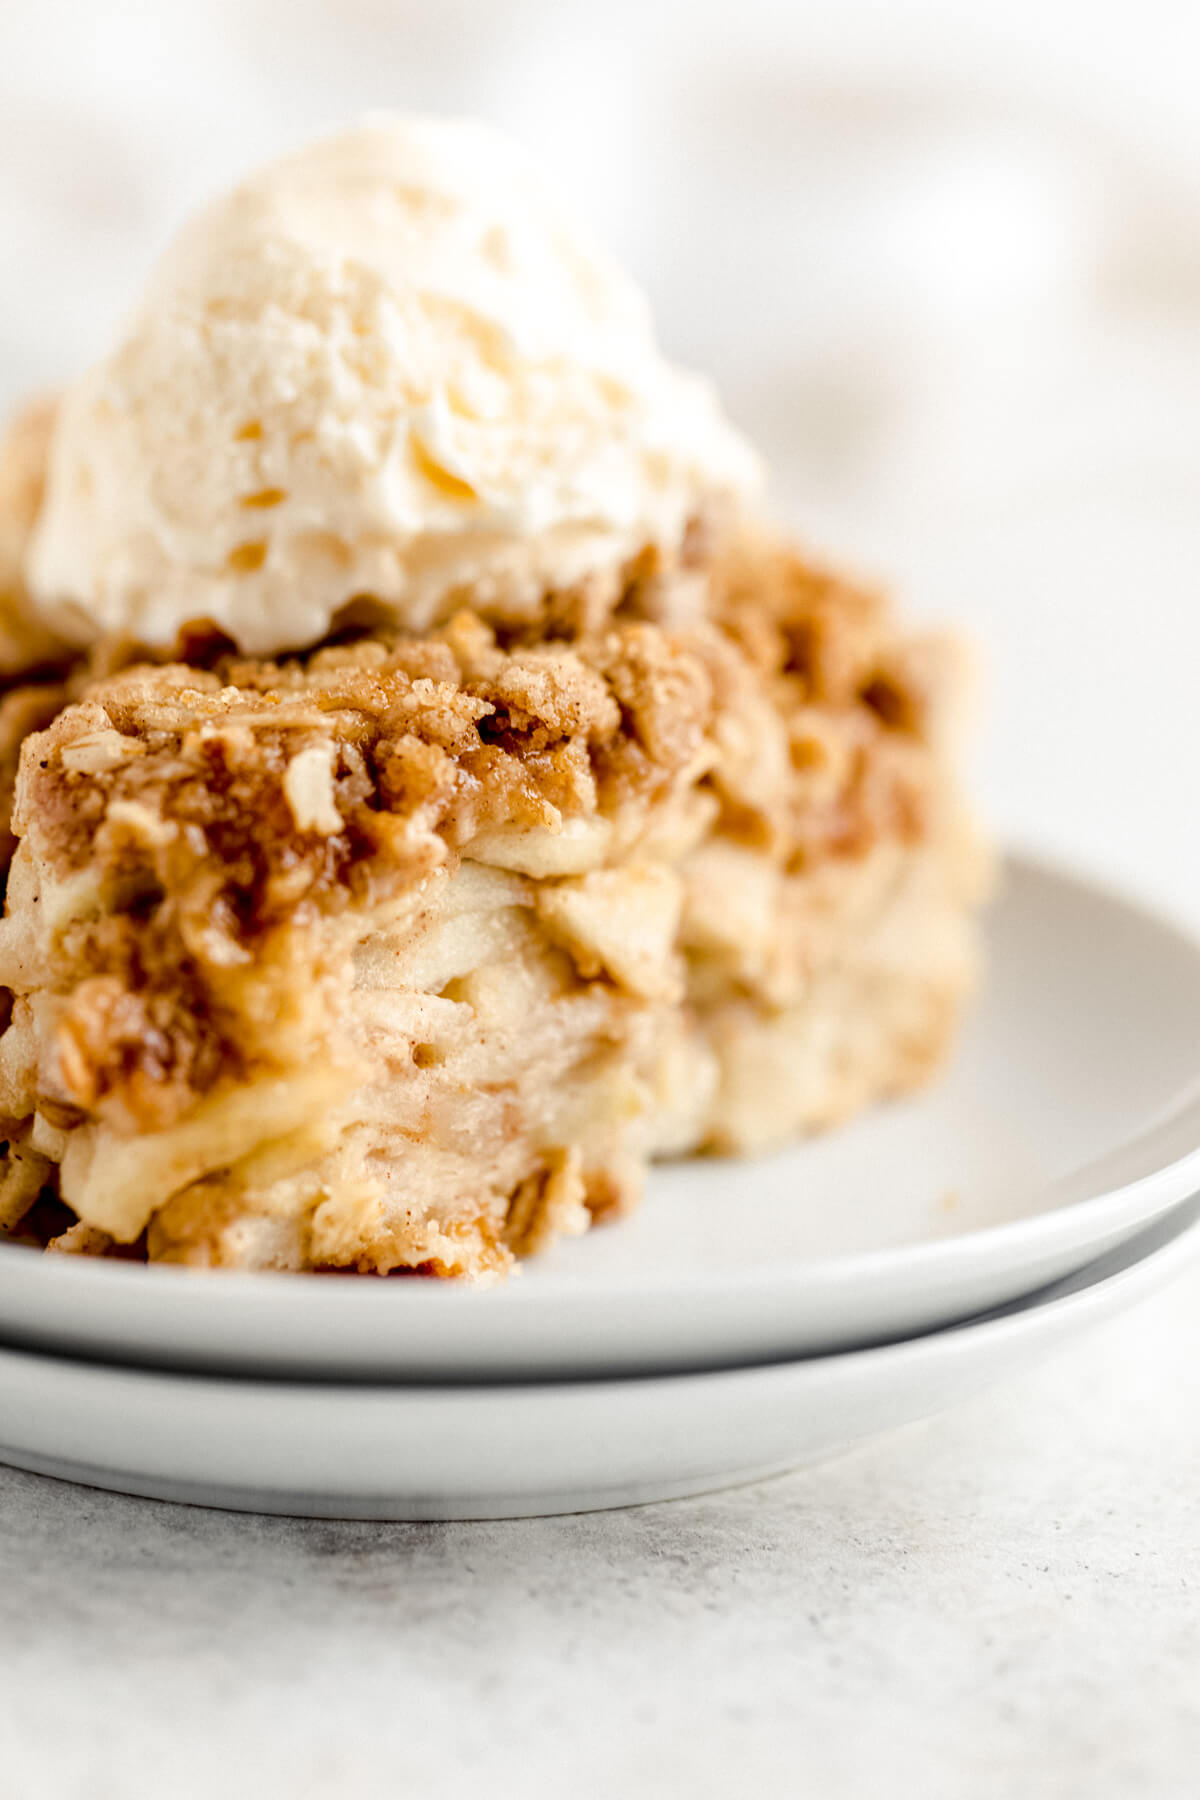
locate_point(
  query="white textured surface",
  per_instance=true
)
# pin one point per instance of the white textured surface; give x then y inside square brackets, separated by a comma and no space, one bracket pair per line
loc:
[999,1603]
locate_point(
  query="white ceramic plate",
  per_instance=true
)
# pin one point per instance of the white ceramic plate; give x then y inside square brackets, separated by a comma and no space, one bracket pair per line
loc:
[1069,1120]
[439,1452]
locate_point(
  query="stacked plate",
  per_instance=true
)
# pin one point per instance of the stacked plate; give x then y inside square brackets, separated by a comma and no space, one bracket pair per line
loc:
[753,1315]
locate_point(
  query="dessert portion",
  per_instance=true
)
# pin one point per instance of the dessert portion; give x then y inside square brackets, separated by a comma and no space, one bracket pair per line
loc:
[521,810]
[409,954]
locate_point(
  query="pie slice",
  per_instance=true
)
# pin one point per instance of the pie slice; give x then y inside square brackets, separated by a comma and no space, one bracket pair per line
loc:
[409,954]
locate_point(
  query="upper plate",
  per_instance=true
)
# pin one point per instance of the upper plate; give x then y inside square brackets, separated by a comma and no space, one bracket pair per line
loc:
[1069,1120]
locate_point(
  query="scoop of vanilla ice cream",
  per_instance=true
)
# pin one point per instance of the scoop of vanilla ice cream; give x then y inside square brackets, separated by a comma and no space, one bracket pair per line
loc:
[389,365]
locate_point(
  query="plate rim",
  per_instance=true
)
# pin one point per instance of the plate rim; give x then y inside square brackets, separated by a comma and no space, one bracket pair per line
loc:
[1163,1248]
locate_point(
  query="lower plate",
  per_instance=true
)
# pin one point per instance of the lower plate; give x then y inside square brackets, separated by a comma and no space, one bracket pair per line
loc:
[377,1452]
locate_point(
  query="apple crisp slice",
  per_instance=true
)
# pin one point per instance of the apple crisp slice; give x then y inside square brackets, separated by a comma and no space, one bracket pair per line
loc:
[409,954]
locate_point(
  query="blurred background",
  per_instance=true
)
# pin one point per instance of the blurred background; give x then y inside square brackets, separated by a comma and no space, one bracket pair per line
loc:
[943,260]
